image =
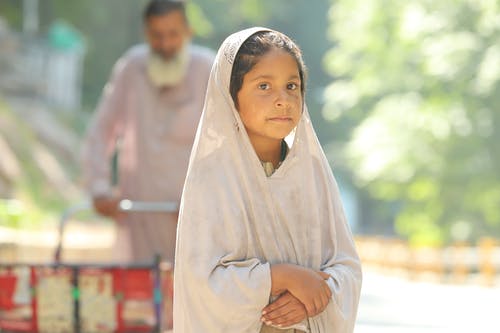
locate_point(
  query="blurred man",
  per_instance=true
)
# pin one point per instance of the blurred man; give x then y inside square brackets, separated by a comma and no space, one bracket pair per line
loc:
[149,109]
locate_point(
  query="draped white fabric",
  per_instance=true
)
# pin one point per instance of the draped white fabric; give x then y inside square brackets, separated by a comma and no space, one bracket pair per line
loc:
[235,221]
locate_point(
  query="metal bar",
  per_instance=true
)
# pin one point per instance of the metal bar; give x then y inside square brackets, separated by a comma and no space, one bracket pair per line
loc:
[146,206]
[67,214]
[157,294]
[76,299]
[125,205]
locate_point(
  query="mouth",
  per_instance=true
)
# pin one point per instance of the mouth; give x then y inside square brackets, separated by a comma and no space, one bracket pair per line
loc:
[166,55]
[280,119]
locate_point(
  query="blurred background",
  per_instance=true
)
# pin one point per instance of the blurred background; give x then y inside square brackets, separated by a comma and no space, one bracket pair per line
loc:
[404,97]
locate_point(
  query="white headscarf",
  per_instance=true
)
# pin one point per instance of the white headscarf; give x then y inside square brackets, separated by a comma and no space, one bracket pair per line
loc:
[235,221]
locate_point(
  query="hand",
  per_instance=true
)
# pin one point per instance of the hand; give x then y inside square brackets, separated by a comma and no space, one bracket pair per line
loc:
[285,311]
[324,275]
[311,289]
[107,206]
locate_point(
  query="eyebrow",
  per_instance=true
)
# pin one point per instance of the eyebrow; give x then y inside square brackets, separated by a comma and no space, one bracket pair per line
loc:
[260,77]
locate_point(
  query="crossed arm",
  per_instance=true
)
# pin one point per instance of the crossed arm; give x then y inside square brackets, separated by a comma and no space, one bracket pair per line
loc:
[302,293]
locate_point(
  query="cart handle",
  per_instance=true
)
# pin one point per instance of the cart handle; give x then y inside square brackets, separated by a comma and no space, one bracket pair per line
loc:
[124,205]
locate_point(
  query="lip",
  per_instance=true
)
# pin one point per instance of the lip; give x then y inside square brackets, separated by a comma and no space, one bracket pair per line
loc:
[280,119]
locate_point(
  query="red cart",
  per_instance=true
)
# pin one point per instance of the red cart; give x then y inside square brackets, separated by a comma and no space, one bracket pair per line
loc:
[63,297]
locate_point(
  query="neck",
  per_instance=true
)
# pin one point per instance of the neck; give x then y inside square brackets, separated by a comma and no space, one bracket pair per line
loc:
[268,150]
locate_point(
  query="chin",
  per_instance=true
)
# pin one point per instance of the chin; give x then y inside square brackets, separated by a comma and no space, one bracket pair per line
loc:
[282,135]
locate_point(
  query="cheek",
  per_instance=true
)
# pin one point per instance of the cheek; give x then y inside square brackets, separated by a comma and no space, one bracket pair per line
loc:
[251,117]
[263,101]
[152,41]
[243,112]
[176,40]
[248,116]
[298,110]
[298,103]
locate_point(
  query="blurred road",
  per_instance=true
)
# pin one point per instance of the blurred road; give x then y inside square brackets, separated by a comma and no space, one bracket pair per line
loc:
[392,304]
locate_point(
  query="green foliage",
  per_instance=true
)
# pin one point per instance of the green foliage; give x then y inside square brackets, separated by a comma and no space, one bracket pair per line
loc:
[11,11]
[17,215]
[36,201]
[201,25]
[110,27]
[10,213]
[417,84]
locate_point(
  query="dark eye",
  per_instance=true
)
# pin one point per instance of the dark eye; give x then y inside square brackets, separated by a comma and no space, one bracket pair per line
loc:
[292,86]
[264,86]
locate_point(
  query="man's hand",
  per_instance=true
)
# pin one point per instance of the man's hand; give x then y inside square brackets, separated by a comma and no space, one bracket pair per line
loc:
[285,311]
[107,206]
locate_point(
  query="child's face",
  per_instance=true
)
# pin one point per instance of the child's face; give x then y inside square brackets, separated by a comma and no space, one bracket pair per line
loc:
[270,99]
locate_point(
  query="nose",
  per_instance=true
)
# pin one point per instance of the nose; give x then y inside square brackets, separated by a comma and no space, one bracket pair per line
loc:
[282,100]
[167,45]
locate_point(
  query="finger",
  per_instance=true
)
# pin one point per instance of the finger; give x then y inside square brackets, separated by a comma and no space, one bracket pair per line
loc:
[283,310]
[291,319]
[279,314]
[321,304]
[311,309]
[280,302]
[276,313]
[328,290]
[325,304]
[119,215]
[318,306]
[324,276]
[290,315]
[325,297]
[292,306]
[326,301]
[274,320]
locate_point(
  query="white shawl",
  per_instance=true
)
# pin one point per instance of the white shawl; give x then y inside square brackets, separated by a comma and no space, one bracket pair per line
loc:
[235,222]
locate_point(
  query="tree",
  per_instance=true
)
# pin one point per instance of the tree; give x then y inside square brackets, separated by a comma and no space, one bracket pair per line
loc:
[417,83]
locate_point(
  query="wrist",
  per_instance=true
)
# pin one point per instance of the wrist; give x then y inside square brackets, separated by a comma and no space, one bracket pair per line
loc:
[280,278]
[100,188]
[277,280]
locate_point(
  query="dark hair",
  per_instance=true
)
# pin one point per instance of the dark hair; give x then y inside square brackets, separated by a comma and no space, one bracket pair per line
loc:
[162,7]
[256,46]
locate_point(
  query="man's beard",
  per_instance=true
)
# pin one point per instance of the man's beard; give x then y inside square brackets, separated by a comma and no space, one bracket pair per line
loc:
[168,72]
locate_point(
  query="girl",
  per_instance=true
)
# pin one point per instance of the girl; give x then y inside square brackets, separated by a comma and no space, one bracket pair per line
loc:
[263,244]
